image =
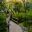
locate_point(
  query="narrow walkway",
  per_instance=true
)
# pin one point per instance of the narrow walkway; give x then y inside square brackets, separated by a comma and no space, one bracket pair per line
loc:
[14,27]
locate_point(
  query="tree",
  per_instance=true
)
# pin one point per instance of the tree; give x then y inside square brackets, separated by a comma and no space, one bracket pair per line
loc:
[3,24]
[17,7]
[26,5]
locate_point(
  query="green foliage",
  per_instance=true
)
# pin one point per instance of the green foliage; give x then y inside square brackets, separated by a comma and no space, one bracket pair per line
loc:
[3,24]
[1,5]
[18,15]
[17,7]
[2,16]
[27,24]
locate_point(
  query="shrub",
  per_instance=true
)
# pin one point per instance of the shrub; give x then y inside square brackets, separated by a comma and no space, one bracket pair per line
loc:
[3,24]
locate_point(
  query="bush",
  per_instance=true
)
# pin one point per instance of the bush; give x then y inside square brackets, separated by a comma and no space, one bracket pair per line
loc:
[3,24]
